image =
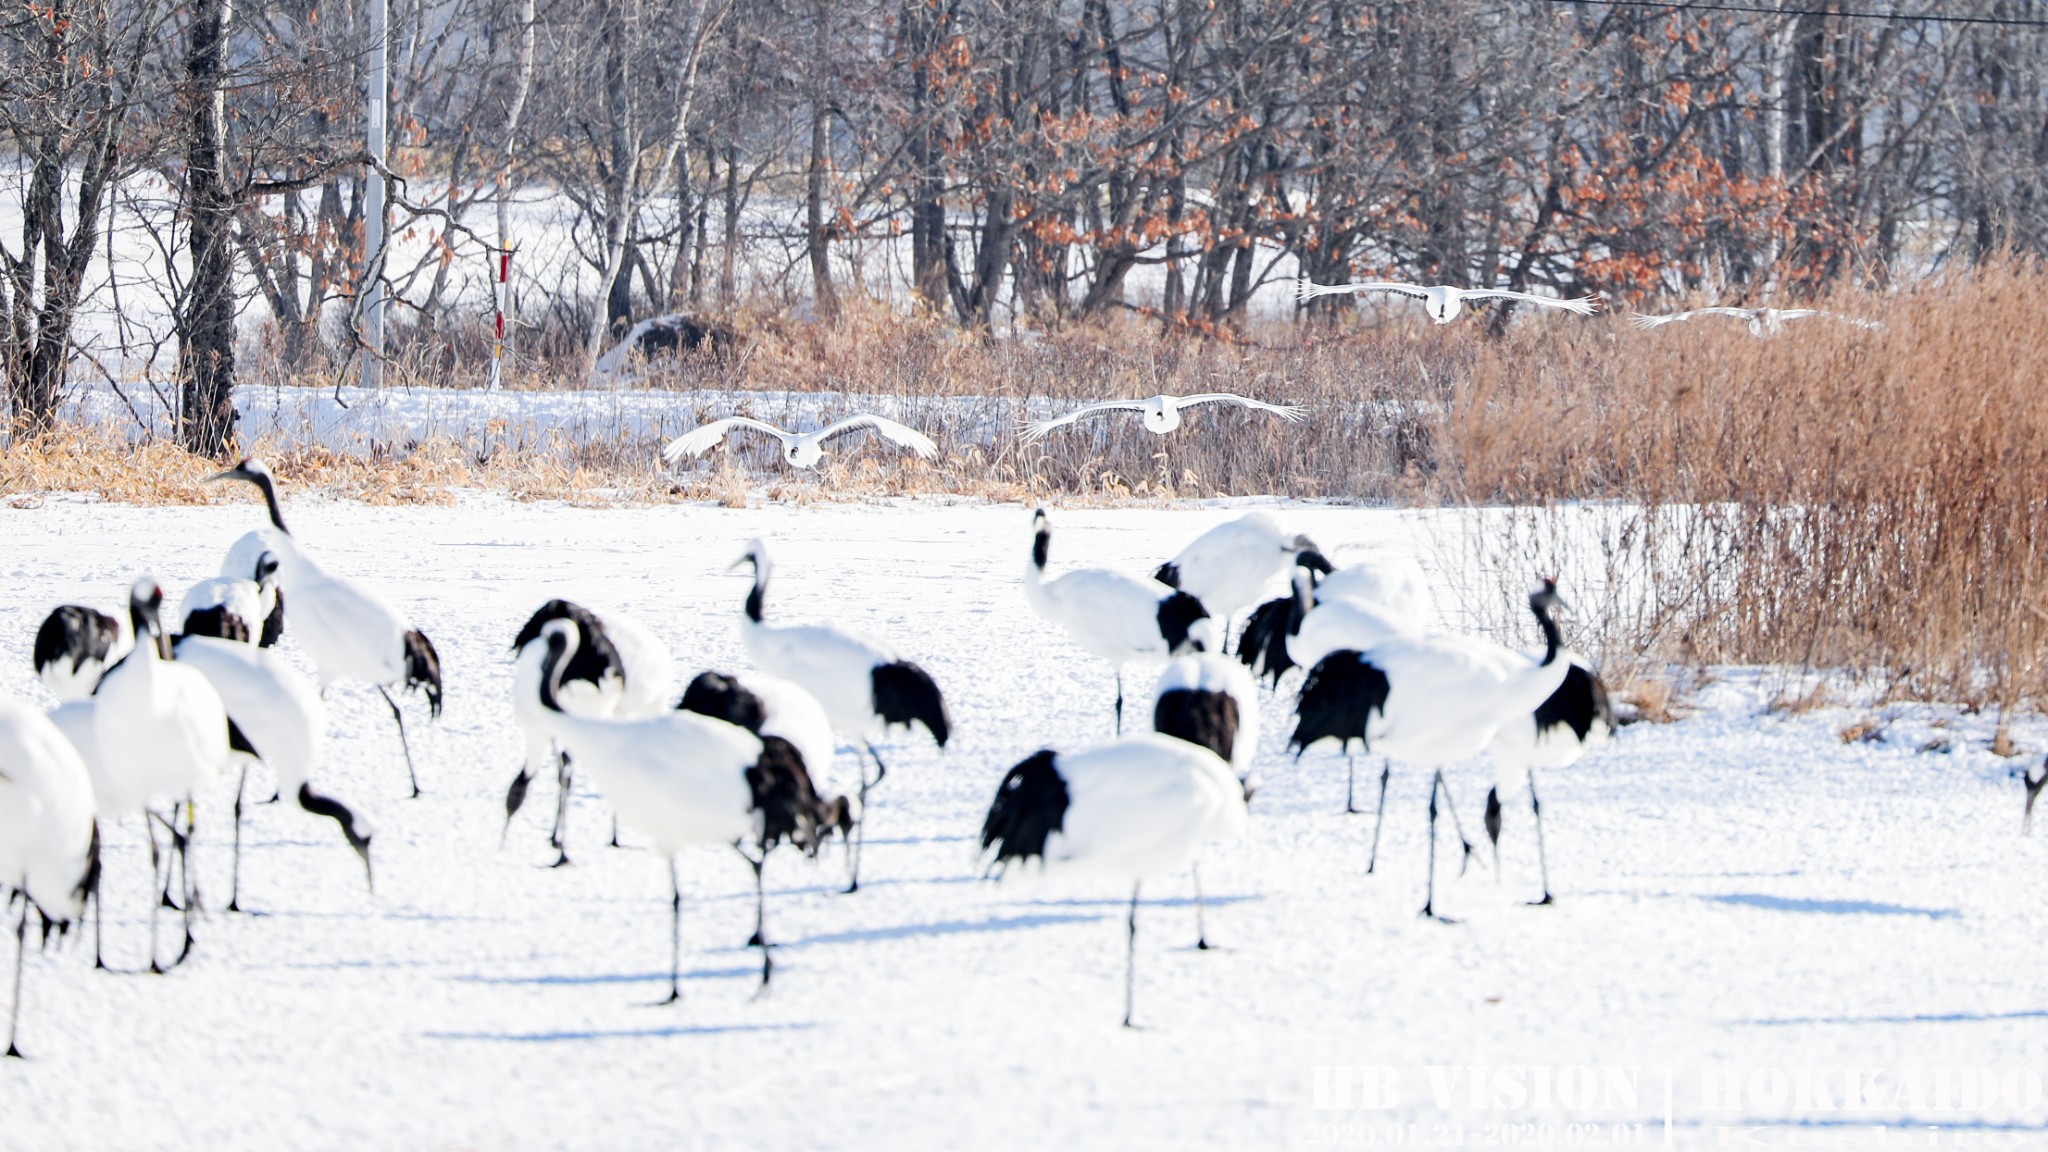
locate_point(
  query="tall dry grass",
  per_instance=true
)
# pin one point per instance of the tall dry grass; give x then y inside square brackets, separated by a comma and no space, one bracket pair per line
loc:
[1832,497]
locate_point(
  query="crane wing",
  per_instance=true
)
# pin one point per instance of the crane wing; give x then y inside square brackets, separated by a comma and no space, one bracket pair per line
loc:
[1583,305]
[1039,428]
[902,434]
[1284,411]
[706,438]
[1305,291]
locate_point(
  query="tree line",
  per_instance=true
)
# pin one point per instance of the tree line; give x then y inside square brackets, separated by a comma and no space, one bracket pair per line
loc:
[976,158]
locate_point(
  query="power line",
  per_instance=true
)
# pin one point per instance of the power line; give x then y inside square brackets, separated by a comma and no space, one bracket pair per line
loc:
[1847,14]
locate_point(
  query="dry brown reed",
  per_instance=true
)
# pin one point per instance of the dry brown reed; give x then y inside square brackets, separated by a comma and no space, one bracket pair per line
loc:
[1832,497]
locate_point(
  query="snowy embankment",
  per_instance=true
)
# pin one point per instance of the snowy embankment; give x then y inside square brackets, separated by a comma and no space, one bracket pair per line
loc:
[1740,891]
[351,420]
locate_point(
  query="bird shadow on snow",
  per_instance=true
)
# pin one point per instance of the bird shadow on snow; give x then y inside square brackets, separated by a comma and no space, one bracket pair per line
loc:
[1829,907]
[938,928]
[1924,1018]
[752,970]
[613,1033]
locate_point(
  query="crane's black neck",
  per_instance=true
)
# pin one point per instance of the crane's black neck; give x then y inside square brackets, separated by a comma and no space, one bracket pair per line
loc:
[1552,640]
[551,670]
[1304,603]
[270,498]
[1041,547]
[144,621]
[757,597]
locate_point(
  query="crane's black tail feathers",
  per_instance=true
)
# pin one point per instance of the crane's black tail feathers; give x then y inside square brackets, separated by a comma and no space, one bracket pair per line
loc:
[1579,703]
[722,697]
[1337,700]
[423,669]
[216,621]
[1030,805]
[273,624]
[1198,717]
[905,693]
[1176,616]
[1263,647]
[787,802]
[1168,574]
[75,633]
[238,741]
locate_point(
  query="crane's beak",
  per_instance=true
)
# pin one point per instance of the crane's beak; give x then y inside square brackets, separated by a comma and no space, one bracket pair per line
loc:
[735,565]
[230,474]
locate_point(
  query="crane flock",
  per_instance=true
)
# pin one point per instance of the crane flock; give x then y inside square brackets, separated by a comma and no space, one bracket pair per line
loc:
[148,719]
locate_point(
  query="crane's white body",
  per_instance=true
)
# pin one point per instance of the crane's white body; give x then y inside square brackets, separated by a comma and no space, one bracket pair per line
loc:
[1210,672]
[835,667]
[1519,746]
[1114,616]
[799,449]
[1359,625]
[247,549]
[1394,583]
[1443,302]
[160,731]
[240,596]
[47,809]
[348,631]
[277,708]
[1140,807]
[1160,414]
[1230,565]
[1447,696]
[74,718]
[795,715]
[677,778]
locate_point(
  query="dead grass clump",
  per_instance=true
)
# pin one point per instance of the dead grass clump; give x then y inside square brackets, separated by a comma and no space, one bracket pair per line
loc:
[1831,497]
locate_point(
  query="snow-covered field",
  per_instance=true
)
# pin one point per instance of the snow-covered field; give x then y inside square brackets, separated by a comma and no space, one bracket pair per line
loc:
[1742,898]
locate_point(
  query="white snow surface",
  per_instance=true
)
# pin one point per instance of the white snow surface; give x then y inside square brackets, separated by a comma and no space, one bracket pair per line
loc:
[1741,888]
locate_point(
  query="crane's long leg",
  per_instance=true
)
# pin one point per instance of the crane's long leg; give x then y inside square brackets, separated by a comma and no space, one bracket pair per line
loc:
[185,870]
[515,799]
[565,780]
[1451,806]
[1119,701]
[1201,928]
[1379,817]
[1491,820]
[99,962]
[20,956]
[760,938]
[675,936]
[1350,778]
[398,718]
[1436,785]
[235,880]
[149,826]
[1542,863]
[1131,958]
[860,828]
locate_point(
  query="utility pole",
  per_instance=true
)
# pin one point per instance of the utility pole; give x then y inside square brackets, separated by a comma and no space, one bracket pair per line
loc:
[374,212]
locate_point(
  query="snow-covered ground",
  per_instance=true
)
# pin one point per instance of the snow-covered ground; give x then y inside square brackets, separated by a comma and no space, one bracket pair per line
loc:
[1742,896]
